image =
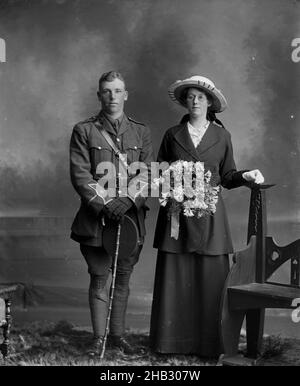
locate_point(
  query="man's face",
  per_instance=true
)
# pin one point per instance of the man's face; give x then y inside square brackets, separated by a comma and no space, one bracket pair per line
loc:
[197,102]
[112,96]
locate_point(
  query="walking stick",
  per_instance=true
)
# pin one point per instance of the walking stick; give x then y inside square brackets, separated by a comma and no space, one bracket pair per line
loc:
[111,292]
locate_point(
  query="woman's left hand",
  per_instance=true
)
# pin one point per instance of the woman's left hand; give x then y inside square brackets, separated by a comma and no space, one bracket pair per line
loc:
[254,176]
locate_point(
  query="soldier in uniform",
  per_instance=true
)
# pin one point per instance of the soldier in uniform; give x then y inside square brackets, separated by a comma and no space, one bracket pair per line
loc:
[88,149]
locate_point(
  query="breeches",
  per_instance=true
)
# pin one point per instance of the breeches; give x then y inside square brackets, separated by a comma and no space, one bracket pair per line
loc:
[99,267]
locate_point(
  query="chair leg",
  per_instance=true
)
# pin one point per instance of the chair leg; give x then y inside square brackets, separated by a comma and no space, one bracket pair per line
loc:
[5,346]
[231,325]
[254,328]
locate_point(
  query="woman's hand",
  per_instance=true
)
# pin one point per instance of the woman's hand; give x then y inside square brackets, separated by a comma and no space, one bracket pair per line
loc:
[254,176]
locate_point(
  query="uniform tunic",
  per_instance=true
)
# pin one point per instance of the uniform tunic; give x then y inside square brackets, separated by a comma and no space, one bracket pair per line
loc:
[88,148]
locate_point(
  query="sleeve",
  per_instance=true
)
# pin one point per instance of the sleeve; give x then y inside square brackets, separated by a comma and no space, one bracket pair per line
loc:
[80,171]
[144,176]
[147,155]
[164,153]
[230,177]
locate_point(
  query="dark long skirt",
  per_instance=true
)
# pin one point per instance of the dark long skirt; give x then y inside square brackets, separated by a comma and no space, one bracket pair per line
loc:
[186,303]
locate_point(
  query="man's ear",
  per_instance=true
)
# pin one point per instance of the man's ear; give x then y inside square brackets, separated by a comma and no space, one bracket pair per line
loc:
[126,95]
[98,95]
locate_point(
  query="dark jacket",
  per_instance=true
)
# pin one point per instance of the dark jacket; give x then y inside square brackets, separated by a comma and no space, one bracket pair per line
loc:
[88,148]
[209,235]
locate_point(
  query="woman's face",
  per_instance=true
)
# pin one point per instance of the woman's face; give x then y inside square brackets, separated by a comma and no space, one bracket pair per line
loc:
[197,102]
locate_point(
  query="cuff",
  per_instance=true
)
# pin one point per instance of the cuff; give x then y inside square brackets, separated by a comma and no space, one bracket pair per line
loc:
[238,179]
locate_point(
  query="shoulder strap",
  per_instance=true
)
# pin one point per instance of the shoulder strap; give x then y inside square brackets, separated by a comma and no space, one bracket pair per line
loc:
[113,146]
[135,121]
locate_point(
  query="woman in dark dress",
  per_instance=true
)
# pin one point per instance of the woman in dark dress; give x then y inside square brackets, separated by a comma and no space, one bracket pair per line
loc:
[191,270]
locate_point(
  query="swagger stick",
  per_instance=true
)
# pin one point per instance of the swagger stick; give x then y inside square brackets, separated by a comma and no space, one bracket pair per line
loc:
[111,292]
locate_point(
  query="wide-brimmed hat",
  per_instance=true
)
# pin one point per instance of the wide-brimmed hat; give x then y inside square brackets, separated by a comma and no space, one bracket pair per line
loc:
[176,89]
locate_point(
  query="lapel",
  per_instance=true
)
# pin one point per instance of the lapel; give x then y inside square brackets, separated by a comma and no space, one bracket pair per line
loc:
[183,138]
[209,139]
[125,125]
[101,123]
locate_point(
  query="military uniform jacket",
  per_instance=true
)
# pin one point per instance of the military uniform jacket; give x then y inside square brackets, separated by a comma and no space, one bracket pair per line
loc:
[88,148]
[209,235]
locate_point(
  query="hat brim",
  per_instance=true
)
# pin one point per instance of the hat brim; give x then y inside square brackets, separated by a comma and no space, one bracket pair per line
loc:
[219,102]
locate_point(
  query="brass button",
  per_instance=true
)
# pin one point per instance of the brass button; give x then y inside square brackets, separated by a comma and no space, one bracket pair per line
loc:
[118,139]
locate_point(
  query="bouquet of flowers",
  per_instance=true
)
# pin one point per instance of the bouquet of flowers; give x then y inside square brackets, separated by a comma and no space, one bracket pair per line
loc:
[186,187]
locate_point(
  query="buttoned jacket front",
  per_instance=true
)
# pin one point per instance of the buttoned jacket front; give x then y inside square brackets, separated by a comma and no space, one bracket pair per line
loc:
[208,235]
[88,149]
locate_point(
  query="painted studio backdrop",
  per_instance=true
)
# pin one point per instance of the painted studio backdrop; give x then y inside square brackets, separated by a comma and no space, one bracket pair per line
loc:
[53,53]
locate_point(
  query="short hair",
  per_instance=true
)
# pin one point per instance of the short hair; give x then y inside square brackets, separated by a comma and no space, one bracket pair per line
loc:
[110,76]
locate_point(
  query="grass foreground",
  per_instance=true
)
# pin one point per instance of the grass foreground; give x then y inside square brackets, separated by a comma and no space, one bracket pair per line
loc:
[63,344]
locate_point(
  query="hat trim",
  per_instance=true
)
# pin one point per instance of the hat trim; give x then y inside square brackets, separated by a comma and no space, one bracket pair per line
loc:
[219,101]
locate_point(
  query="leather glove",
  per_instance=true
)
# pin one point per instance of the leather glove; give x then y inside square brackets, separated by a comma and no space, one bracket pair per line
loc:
[116,208]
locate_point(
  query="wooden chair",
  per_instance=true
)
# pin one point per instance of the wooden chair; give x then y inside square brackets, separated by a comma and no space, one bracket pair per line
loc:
[247,292]
[6,292]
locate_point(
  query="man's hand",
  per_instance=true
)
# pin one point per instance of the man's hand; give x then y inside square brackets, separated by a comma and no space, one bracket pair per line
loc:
[254,176]
[116,208]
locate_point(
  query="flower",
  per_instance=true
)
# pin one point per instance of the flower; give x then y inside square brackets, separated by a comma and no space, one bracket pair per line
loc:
[188,212]
[164,200]
[178,193]
[207,176]
[187,189]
